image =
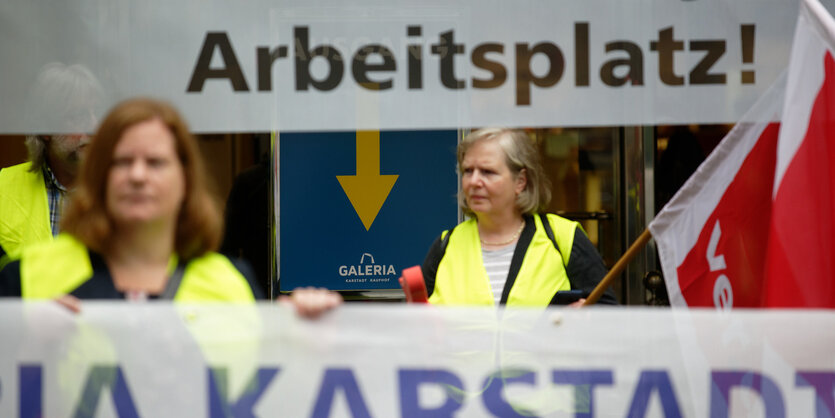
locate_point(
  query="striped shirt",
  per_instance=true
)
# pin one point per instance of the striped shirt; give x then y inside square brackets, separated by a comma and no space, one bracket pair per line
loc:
[497,265]
[55,193]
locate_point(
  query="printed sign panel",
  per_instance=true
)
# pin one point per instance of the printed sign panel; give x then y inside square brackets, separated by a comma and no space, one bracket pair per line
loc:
[356,208]
[289,65]
[163,360]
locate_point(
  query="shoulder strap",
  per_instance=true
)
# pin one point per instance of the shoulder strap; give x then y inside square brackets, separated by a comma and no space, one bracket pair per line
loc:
[445,240]
[548,231]
[173,284]
[545,224]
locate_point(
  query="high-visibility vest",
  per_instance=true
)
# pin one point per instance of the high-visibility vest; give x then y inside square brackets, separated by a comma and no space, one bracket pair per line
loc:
[53,269]
[24,209]
[462,280]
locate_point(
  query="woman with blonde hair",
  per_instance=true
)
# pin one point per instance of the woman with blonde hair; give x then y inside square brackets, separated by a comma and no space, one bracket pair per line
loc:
[509,251]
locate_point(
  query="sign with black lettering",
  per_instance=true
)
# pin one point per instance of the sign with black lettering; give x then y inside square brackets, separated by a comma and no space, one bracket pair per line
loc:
[290,66]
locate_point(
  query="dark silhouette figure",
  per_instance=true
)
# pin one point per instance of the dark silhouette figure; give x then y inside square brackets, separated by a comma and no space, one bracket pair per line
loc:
[248,232]
[676,164]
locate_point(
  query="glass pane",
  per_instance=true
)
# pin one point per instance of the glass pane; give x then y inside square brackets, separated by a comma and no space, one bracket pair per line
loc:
[582,166]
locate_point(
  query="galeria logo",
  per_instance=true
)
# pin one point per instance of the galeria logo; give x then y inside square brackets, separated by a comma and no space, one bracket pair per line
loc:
[367,269]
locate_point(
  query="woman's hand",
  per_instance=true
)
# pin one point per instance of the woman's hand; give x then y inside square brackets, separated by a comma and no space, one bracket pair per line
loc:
[310,302]
[578,304]
[72,303]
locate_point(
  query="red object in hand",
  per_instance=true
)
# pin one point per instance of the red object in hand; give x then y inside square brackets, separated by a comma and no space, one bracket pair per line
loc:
[413,286]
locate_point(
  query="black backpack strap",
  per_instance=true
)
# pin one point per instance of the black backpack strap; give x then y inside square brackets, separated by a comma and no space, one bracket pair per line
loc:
[548,231]
[173,284]
[433,260]
[445,241]
[545,224]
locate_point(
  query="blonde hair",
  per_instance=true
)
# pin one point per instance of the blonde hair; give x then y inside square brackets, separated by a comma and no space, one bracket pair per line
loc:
[520,153]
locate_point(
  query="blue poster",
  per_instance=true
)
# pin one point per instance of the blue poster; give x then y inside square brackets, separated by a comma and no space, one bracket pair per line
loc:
[356,208]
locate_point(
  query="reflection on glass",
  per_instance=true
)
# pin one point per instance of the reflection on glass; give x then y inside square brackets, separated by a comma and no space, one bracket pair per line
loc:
[63,103]
[581,165]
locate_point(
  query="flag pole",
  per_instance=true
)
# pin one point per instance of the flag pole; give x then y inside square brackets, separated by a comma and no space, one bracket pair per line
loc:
[604,284]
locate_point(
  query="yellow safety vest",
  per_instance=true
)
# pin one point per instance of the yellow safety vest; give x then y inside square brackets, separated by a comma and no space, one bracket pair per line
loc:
[462,280]
[228,338]
[57,268]
[24,210]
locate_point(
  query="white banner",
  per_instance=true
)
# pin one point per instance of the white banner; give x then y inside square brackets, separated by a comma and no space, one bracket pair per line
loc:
[298,65]
[157,360]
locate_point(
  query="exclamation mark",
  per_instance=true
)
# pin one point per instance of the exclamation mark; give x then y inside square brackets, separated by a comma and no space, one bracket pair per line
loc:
[747,37]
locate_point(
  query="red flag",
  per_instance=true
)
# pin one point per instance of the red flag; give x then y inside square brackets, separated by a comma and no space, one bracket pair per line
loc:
[712,234]
[801,250]
[754,225]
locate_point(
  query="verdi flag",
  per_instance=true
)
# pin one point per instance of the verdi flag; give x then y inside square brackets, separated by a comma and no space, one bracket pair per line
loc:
[712,234]
[754,225]
[800,263]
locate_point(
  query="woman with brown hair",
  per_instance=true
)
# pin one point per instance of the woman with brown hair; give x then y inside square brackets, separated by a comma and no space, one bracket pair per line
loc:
[141,223]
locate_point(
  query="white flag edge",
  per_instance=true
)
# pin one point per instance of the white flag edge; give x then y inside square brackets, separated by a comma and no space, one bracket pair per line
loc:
[814,35]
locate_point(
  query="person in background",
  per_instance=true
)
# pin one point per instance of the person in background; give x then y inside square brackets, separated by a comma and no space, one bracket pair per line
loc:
[509,252]
[63,99]
[141,224]
[247,220]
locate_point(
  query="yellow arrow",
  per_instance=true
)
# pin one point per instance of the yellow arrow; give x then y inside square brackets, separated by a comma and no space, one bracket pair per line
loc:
[367,190]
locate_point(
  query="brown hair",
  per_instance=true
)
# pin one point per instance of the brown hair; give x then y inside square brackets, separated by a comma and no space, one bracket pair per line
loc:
[520,153]
[199,223]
